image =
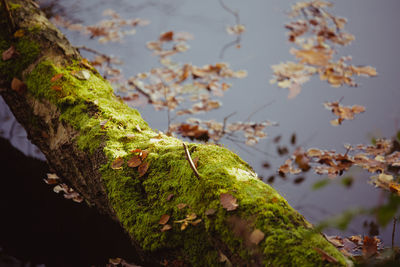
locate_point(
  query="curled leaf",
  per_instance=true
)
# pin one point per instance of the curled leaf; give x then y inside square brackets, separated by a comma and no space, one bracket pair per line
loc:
[228,201]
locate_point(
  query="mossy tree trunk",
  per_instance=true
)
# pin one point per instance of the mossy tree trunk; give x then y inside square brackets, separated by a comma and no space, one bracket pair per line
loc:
[82,128]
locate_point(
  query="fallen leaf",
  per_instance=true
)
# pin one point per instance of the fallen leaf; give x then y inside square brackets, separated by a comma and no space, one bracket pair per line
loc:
[166,227]
[82,74]
[115,261]
[228,201]
[117,163]
[56,87]
[170,196]
[256,236]
[196,222]
[18,86]
[135,161]
[9,53]
[164,219]
[19,33]
[166,36]
[143,154]
[210,212]
[143,168]
[181,205]
[56,77]
[370,246]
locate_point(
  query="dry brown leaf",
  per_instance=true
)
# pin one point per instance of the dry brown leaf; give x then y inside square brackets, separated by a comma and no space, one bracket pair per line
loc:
[18,86]
[166,227]
[56,77]
[166,36]
[228,201]
[135,161]
[143,168]
[210,212]
[19,33]
[56,88]
[9,53]
[143,154]
[181,205]
[370,246]
[169,197]
[256,236]
[164,219]
[117,163]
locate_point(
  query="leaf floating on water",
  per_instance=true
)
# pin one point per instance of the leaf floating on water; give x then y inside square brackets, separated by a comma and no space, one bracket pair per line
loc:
[236,29]
[164,219]
[117,163]
[343,112]
[228,201]
[256,236]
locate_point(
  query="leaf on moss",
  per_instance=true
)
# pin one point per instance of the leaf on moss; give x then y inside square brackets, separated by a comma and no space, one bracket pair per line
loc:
[166,227]
[86,63]
[135,161]
[82,74]
[256,236]
[228,201]
[181,205]
[19,33]
[18,86]
[164,219]
[143,154]
[117,163]
[56,87]
[169,197]
[210,212]
[9,53]
[143,168]
[56,77]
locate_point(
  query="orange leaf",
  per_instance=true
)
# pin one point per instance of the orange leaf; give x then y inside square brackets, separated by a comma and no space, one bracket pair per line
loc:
[18,86]
[134,162]
[370,246]
[167,36]
[164,219]
[143,168]
[228,201]
[117,163]
[56,87]
[143,154]
[56,77]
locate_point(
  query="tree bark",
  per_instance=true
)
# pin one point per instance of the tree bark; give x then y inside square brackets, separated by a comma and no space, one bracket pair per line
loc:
[88,135]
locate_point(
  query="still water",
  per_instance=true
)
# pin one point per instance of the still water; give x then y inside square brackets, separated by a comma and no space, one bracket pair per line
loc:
[375,25]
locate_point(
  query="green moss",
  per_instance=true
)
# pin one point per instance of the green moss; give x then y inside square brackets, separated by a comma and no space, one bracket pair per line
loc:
[27,53]
[139,202]
[13,6]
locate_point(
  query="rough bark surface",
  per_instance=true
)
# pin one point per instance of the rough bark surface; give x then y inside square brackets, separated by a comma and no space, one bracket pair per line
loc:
[82,129]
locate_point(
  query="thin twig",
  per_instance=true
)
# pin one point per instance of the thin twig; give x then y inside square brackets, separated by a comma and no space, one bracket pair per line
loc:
[91,50]
[393,231]
[190,161]
[259,109]
[11,25]
[224,124]
[237,20]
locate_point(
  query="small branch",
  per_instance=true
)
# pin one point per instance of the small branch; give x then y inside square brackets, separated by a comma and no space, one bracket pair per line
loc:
[190,161]
[91,50]
[393,231]
[11,25]
[223,132]
[259,109]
